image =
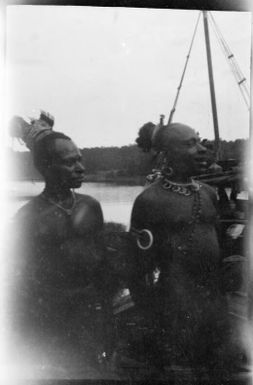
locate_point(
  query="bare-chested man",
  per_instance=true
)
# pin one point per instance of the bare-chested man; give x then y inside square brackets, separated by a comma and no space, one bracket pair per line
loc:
[176,276]
[62,284]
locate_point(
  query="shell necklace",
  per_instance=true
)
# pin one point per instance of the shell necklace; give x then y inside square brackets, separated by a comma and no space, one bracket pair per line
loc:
[181,188]
[69,210]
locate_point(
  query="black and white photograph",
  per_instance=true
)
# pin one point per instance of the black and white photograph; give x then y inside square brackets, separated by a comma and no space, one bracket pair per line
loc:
[126,252]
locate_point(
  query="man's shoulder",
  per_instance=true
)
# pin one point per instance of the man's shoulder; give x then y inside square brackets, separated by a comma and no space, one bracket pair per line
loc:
[29,209]
[209,192]
[87,199]
[209,189]
[26,218]
[149,193]
[88,209]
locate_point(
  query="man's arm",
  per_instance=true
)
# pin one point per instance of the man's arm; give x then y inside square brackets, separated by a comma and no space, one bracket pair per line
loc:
[142,259]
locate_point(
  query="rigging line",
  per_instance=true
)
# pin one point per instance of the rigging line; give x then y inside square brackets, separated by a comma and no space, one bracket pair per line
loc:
[239,77]
[240,82]
[226,48]
[184,70]
[222,40]
[229,53]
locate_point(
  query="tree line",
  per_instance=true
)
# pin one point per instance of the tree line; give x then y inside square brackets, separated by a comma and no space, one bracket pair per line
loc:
[108,163]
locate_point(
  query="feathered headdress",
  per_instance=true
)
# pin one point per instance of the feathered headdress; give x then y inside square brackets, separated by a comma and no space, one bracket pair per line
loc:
[29,133]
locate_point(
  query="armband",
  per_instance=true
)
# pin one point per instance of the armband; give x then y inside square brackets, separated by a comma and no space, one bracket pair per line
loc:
[145,239]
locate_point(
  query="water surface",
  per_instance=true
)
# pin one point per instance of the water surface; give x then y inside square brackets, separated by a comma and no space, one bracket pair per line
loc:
[116,200]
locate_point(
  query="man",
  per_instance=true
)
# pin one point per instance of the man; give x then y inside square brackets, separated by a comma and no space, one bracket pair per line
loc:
[62,284]
[176,276]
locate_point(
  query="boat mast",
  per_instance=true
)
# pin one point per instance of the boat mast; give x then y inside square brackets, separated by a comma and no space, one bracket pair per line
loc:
[211,83]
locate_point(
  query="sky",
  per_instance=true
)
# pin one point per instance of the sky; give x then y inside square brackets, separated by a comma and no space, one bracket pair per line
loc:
[104,72]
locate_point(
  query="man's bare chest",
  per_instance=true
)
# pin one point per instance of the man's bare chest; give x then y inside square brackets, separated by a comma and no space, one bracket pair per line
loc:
[179,211]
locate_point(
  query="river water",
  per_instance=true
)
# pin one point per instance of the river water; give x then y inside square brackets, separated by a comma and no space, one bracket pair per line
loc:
[116,200]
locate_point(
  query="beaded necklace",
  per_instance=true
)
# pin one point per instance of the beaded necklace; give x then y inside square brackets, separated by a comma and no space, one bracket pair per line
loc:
[68,211]
[195,219]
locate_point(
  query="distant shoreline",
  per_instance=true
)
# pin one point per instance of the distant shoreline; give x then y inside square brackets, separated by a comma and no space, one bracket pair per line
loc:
[123,180]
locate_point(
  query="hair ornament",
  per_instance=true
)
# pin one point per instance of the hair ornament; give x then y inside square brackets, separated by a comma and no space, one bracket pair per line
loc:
[29,133]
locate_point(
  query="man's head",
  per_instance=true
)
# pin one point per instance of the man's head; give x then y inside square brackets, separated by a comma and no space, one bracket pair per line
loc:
[184,152]
[59,161]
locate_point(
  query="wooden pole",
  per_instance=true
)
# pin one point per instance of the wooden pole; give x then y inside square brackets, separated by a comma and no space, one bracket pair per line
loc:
[211,83]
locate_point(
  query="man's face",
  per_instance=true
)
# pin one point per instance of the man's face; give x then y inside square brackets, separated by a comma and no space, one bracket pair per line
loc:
[188,156]
[66,169]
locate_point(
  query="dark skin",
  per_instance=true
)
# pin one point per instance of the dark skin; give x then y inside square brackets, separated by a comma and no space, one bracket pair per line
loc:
[62,262]
[184,153]
[156,207]
[186,299]
[68,234]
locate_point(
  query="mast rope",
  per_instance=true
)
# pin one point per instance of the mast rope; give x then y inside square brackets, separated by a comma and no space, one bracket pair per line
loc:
[183,74]
[239,77]
[160,156]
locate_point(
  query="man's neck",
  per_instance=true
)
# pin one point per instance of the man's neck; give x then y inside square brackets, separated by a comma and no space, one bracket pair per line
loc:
[57,193]
[180,179]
